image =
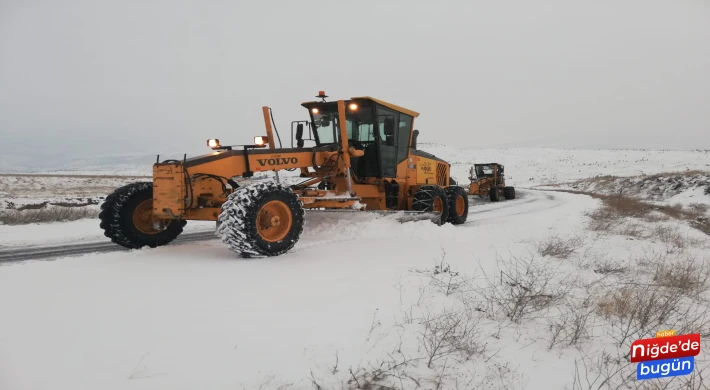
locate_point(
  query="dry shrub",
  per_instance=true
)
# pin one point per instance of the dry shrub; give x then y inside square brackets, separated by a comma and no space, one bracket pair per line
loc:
[607,266]
[698,209]
[45,215]
[573,324]
[671,237]
[443,278]
[33,206]
[603,219]
[688,275]
[636,311]
[524,286]
[702,224]
[632,229]
[625,206]
[451,333]
[675,211]
[562,248]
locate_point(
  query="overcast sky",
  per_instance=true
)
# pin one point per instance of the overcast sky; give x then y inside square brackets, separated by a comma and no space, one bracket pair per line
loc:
[94,77]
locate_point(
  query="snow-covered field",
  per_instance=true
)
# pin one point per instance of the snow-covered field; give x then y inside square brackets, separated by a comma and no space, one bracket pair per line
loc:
[682,188]
[530,296]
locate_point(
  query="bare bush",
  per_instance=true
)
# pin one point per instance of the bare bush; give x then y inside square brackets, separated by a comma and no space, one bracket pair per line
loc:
[632,229]
[45,215]
[636,311]
[628,207]
[574,323]
[556,246]
[603,371]
[443,278]
[603,219]
[607,266]
[702,224]
[451,333]
[524,286]
[671,237]
[689,275]
[698,209]
[502,377]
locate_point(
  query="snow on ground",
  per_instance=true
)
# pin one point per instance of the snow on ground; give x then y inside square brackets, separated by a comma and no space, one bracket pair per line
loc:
[349,294]
[528,167]
[684,188]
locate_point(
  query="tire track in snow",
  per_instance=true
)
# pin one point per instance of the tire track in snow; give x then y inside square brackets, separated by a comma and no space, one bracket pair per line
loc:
[53,252]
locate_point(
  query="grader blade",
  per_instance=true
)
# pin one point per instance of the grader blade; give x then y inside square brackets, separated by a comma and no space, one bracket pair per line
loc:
[397,215]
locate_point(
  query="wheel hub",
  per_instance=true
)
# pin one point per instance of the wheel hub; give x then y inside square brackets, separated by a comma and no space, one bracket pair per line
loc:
[460,205]
[274,221]
[144,220]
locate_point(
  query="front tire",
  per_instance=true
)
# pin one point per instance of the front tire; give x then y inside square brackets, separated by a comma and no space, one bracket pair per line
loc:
[458,205]
[509,192]
[430,198]
[127,218]
[494,194]
[261,220]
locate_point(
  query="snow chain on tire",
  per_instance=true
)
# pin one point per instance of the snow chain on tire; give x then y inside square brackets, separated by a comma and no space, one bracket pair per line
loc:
[424,200]
[454,193]
[237,223]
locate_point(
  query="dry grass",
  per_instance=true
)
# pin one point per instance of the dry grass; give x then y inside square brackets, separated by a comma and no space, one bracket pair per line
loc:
[702,224]
[561,248]
[46,214]
[634,310]
[689,275]
[615,209]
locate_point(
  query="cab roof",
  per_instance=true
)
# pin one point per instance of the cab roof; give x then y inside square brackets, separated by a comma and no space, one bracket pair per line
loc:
[378,101]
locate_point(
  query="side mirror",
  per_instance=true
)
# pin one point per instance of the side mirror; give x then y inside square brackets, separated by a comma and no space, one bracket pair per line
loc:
[415,134]
[299,135]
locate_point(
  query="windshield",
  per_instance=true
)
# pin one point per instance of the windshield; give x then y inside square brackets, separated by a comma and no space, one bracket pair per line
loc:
[360,124]
[484,170]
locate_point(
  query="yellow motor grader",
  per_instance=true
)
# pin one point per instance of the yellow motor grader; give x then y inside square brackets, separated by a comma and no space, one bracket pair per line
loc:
[364,159]
[489,180]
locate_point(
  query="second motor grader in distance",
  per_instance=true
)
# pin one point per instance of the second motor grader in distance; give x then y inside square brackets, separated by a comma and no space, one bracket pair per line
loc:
[364,158]
[489,180]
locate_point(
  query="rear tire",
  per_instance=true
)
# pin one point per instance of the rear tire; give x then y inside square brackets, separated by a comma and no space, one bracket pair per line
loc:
[430,198]
[494,194]
[509,192]
[458,205]
[261,220]
[125,218]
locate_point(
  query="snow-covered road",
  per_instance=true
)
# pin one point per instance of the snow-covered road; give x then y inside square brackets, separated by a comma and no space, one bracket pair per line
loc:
[192,315]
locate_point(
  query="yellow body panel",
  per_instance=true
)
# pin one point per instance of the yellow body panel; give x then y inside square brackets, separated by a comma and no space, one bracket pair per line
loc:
[168,190]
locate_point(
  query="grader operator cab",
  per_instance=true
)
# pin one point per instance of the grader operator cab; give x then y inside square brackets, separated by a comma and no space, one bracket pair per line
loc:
[364,159]
[489,180]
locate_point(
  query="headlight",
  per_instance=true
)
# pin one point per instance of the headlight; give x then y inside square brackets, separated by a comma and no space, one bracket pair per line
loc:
[213,143]
[261,140]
